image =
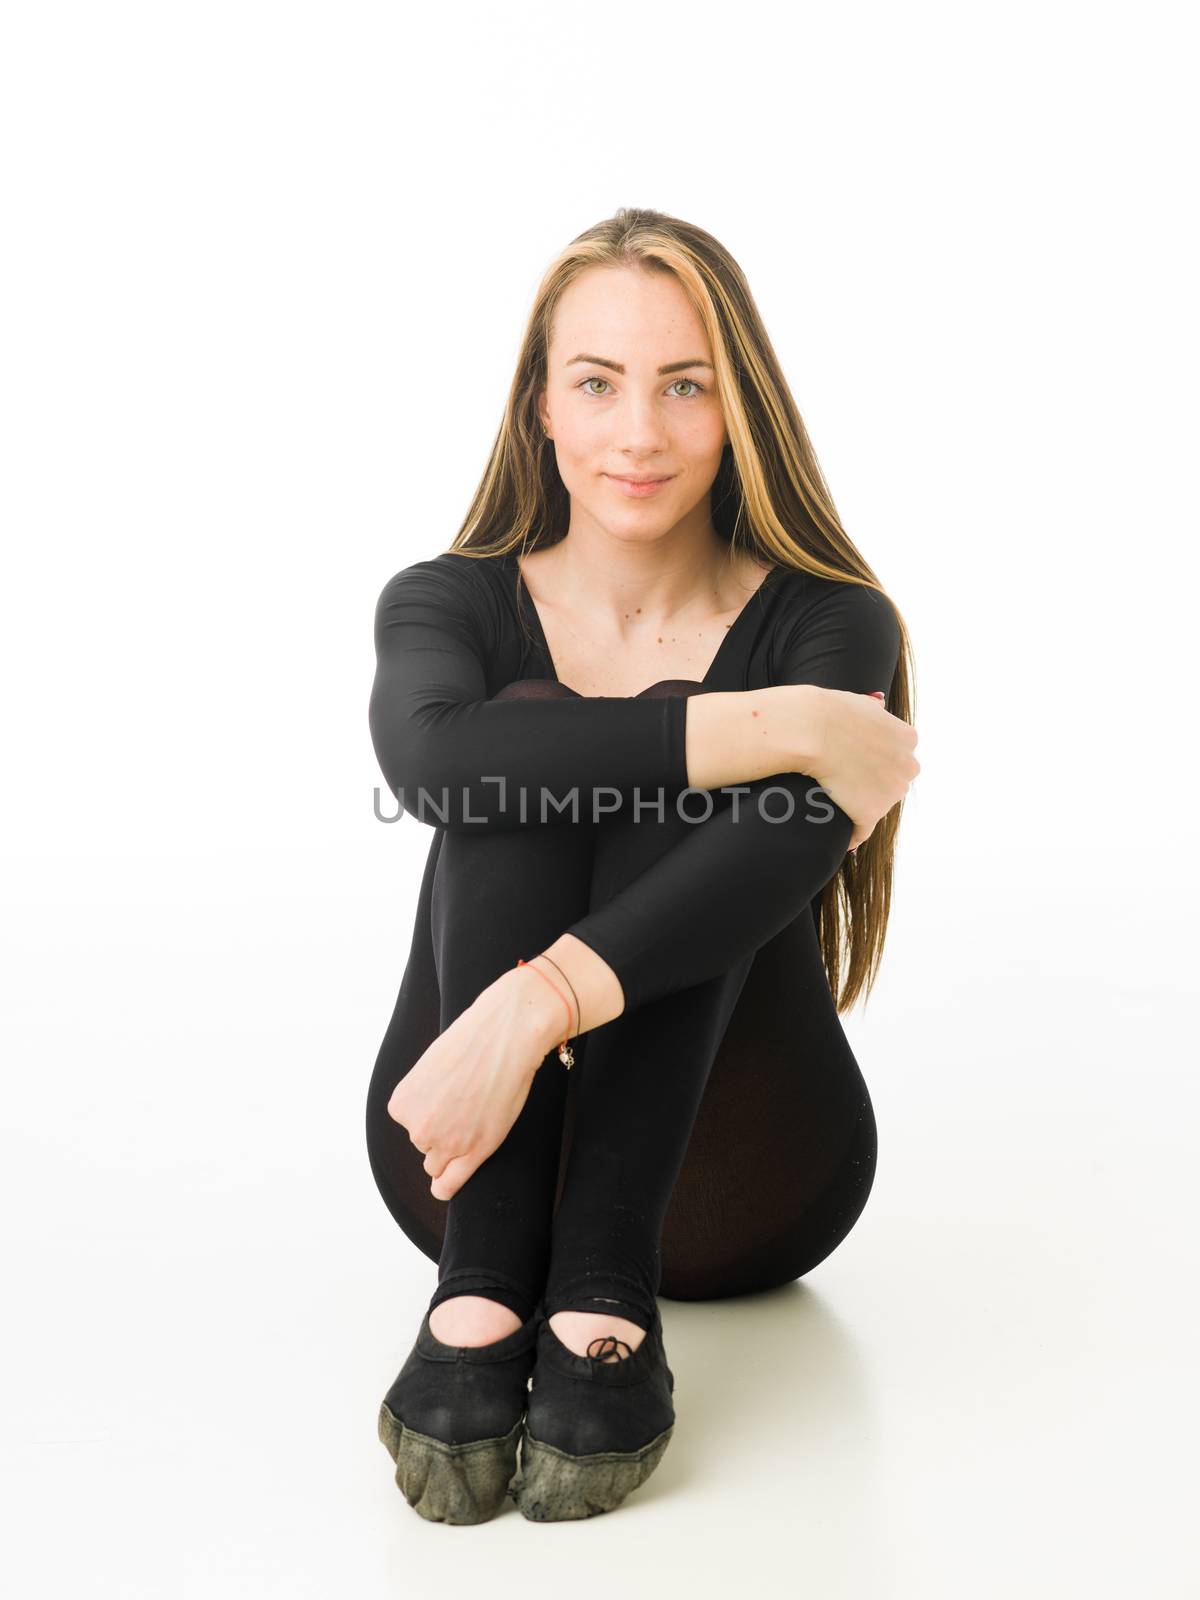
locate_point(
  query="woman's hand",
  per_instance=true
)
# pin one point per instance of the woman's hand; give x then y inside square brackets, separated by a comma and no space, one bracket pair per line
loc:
[459,1100]
[861,755]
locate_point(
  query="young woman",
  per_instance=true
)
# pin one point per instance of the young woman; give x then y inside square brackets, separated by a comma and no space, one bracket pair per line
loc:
[657,709]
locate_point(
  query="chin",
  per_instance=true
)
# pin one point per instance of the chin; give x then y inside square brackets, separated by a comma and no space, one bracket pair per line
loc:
[635,529]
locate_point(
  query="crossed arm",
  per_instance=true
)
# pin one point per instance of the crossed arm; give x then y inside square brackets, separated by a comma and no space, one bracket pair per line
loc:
[732,882]
[736,879]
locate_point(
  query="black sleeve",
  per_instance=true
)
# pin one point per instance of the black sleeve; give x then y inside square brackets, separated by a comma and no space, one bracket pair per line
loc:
[454,758]
[736,879]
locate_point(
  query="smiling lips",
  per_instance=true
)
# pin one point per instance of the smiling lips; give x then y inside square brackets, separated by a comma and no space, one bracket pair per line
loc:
[637,487]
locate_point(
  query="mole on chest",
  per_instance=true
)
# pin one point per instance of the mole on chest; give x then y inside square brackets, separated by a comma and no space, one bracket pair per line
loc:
[629,670]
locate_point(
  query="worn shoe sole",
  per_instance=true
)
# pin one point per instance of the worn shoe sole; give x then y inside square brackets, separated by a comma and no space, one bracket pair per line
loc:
[553,1486]
[458,1483]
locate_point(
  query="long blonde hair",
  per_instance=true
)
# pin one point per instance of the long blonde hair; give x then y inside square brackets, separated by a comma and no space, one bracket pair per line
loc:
[769,498]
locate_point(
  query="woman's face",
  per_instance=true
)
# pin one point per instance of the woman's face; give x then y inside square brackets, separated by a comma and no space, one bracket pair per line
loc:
[630,395]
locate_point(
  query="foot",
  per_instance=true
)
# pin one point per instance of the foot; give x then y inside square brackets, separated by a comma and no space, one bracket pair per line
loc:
[472,1319]
[579,1329]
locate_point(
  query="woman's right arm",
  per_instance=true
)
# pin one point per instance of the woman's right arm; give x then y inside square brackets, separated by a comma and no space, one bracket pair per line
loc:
[456,758]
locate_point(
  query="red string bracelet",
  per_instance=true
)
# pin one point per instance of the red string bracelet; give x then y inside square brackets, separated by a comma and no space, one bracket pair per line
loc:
[565,1054]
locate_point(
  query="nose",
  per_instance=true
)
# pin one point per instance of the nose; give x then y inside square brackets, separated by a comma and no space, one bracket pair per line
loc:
[641,430]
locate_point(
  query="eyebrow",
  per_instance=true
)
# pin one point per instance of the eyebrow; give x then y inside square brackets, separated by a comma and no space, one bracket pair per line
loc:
[616,366]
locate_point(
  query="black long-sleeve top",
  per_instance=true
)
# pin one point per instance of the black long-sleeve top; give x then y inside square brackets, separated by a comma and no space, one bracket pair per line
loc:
[448,637]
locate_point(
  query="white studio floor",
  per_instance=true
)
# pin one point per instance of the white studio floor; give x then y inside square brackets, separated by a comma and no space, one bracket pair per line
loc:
[988,1390]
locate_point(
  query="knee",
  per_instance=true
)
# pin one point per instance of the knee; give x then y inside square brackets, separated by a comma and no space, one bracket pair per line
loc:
[680,687]
[535,689]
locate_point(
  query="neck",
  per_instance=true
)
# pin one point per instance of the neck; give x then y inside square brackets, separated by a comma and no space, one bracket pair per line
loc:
[659,583]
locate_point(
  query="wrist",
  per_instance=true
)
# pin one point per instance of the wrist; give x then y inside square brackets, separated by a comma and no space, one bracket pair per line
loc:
[804,728]
[542,1010]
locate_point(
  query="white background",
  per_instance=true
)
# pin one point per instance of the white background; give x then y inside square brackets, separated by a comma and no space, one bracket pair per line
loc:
[267,268]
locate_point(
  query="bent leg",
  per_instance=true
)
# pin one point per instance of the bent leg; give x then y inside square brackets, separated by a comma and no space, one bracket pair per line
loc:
[634,1105]
[493,897]
[720,1139]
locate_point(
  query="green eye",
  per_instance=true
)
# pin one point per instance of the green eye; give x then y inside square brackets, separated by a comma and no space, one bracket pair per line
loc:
[697,389]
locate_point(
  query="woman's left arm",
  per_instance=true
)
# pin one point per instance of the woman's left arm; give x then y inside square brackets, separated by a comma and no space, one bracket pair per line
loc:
[738,877]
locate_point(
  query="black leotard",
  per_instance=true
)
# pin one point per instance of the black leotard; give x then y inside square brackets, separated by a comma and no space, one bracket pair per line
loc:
[729,1057]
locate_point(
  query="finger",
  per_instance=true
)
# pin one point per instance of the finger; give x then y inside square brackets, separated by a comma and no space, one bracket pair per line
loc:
[452,1178]
[435,1162]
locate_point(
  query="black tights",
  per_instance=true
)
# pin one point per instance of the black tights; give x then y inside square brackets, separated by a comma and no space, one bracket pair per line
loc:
[715,1141]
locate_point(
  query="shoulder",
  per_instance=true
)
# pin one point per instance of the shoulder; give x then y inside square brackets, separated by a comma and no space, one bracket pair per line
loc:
[449,590]
[806,596]
[826,620]
[449,574]
[447,579]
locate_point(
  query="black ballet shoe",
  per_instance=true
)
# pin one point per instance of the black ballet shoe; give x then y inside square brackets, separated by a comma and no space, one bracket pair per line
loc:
[451,1422]
[595,1428]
